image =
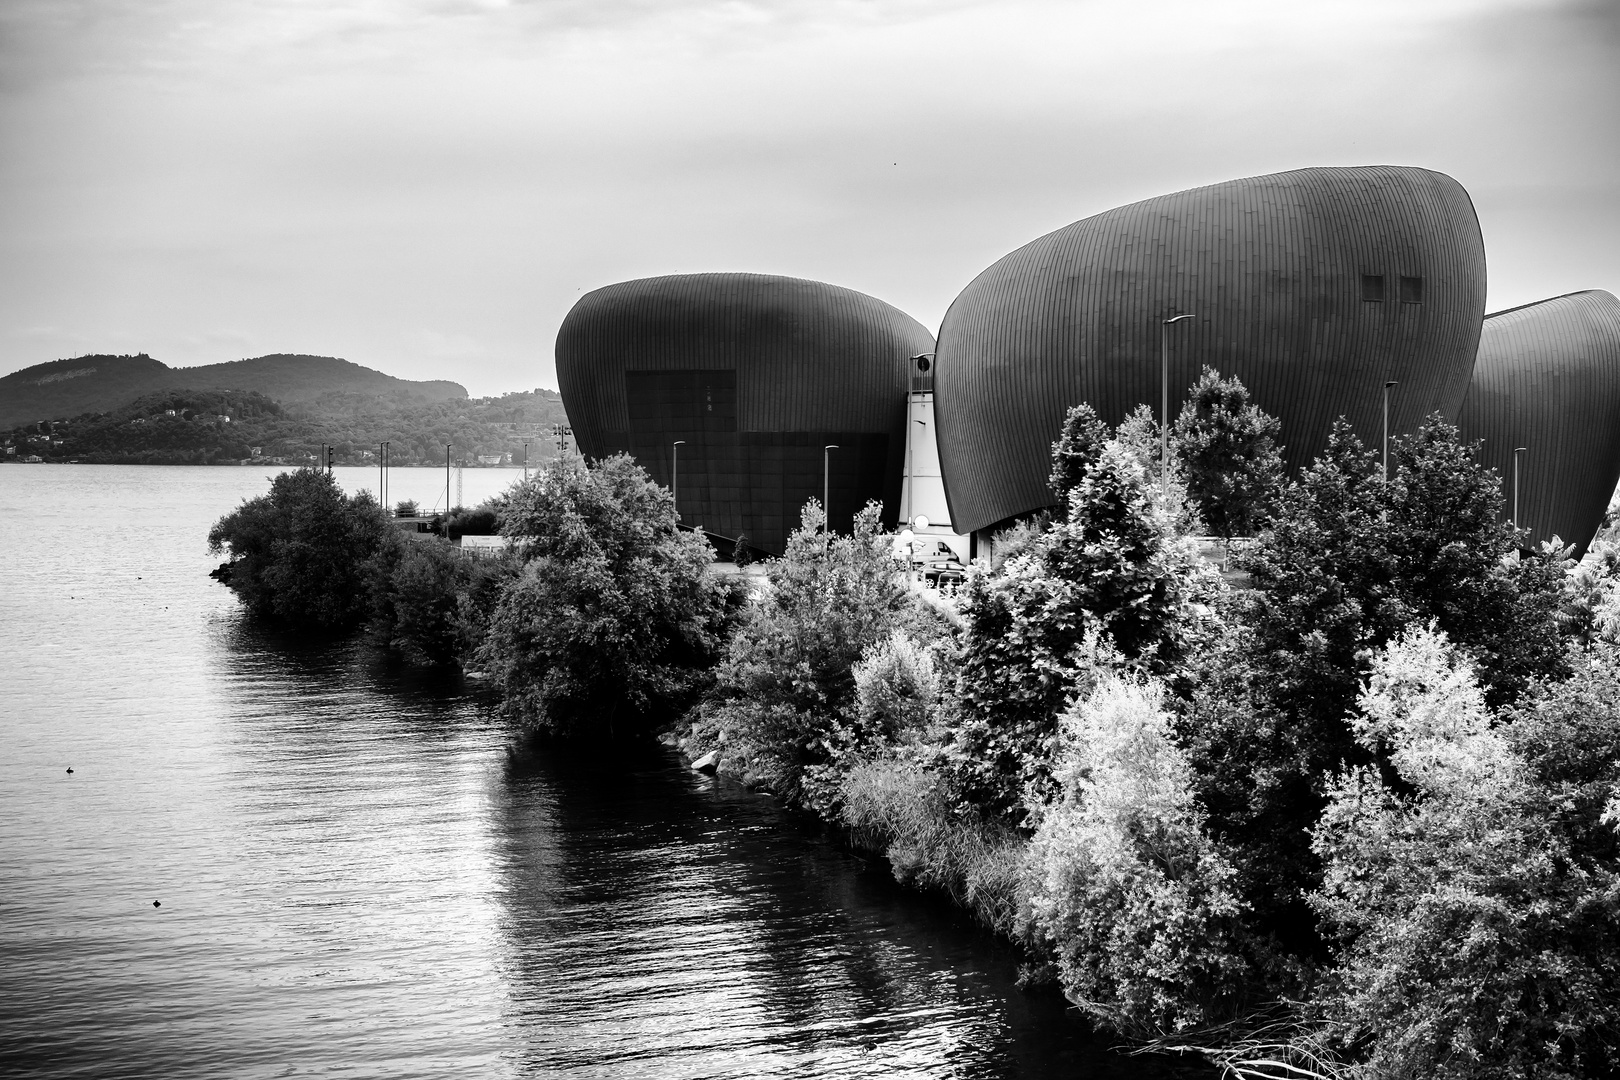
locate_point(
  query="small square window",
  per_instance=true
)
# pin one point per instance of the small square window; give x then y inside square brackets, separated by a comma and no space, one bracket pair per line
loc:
[1411,290]
[1372,288]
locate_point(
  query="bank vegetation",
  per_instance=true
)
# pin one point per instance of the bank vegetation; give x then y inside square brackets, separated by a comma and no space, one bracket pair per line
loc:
[1357,817]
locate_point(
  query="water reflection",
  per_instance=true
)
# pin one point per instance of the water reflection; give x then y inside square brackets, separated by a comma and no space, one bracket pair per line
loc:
[354,879]
[672,925]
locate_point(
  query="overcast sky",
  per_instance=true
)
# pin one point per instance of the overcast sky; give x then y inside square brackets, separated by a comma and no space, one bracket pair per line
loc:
[426,186]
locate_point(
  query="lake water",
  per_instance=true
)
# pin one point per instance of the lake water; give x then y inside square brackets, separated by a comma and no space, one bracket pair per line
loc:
[355,880]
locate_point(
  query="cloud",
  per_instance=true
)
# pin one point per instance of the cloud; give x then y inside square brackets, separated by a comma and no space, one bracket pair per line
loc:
[376,179]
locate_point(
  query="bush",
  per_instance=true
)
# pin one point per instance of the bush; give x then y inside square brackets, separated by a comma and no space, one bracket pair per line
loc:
[1112,566]
[1470,944]
[1228,448]
[435,606]
[785,695]
[1130,892]
[894,805]
[1348,562]
[614,621]
[481,520]
[305,554]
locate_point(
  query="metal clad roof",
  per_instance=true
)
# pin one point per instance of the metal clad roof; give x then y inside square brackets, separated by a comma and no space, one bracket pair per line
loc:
[1270,266]
[809,356]
[1548,379]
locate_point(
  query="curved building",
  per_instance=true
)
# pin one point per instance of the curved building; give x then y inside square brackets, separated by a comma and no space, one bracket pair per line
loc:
[754,375]
[1315,287]
[1548,380]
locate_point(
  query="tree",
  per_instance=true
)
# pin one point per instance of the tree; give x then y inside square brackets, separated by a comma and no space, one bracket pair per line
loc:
[1228,448]
[1112,566]
[785,695]
[1133,896]
[305,554]
[1348,563]
[435,605]
[1075,453]
[614,621]
[1469,942]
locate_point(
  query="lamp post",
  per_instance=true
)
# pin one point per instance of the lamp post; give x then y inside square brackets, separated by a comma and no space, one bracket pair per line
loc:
[1517,450]
[525,459]
[1164,404]
[1387,388]
[826,507]
[382,475]
[675,476]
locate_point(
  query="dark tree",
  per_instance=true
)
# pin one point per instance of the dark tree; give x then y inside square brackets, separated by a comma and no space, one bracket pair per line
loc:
[614,621]
[1347,563]
[1229,450]
[305,554]
[1077,449]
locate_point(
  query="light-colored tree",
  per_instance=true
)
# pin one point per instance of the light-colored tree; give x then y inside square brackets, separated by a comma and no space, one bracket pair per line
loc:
[1134,898]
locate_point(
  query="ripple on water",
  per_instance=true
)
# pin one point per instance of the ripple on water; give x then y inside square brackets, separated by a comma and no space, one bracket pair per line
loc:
[355,880]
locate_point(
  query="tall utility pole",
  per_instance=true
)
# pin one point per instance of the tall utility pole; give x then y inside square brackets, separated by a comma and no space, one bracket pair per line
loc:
[1387,388]
[1517,450]
[1164,404]
[826,501]
[525,459]
[675,477]
[446,489]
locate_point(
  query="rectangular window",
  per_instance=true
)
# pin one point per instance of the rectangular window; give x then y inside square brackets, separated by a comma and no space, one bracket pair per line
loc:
[1372,288]
[1411,290]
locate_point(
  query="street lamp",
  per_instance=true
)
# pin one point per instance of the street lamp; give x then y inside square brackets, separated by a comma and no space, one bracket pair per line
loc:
[1517,450]
[1164,404]
[826,505]
[675,476]
[1387,388]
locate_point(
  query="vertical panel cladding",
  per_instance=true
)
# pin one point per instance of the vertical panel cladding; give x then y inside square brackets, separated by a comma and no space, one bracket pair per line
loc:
[810,360]
[1271,269]
[1548,379]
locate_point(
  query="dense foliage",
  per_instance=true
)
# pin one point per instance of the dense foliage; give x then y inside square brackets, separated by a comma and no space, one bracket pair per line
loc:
[613,622]
[1357,818]
[305,554]
[185,427]
[786,694]
[1228,448]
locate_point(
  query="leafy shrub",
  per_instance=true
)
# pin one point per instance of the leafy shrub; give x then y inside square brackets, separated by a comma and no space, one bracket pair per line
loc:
[1228,448]
[1112,566]
[482,520]
[1347,563]
[614,622]
[435,605]
[785,695]
[1470,944]
[892,804]
[305,554]
[1132,895]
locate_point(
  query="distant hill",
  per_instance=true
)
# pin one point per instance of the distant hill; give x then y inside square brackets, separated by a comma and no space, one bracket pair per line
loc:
[88,384]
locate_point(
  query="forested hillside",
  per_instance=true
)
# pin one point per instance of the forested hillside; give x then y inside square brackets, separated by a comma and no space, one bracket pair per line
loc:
[63,389]
[207,427]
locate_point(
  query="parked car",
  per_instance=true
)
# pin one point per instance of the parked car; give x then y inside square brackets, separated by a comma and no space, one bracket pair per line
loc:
[940,566]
